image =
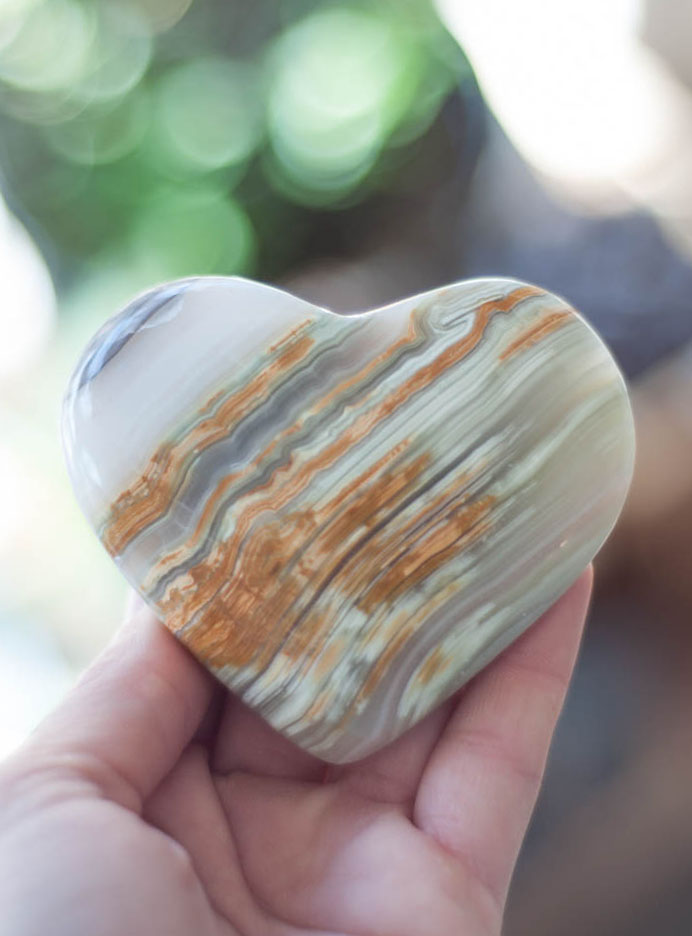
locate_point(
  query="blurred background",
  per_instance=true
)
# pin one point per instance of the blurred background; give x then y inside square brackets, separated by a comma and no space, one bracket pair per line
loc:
[356,153]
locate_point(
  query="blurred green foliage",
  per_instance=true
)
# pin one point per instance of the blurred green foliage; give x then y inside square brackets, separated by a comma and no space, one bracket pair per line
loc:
[142,140]
[177,137]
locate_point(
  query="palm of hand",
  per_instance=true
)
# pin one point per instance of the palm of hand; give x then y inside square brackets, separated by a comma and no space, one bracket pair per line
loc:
[129,826]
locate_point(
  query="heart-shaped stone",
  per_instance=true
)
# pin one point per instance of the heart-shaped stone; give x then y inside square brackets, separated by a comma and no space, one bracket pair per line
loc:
[345,517]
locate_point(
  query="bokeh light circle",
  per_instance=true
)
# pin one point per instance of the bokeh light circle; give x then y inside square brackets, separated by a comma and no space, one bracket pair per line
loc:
[193,230]
[50,49]
[341,79]
[208,113]
[119,54]
[102,133]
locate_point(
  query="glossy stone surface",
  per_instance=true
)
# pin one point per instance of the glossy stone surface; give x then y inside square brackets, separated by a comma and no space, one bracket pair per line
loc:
[345,517]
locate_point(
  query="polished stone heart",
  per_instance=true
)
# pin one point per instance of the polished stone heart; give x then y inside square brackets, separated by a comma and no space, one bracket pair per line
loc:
[345,517]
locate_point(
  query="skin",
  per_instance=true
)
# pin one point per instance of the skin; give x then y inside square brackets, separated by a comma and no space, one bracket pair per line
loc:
[151,802]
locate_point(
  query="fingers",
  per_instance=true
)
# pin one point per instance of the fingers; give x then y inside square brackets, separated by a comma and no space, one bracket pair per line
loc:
[481,783]
[187,808]
[129,717]
[392,775]
[246,742]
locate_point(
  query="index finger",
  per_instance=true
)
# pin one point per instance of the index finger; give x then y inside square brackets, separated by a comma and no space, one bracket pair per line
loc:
[129,717]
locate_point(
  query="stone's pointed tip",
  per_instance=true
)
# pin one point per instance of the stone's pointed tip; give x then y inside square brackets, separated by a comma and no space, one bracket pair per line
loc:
[346,517]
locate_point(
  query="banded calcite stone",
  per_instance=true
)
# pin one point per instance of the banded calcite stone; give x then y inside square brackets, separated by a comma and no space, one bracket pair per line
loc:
[345,517]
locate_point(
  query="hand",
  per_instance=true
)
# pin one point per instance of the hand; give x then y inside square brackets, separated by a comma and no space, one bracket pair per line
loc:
[129,812]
